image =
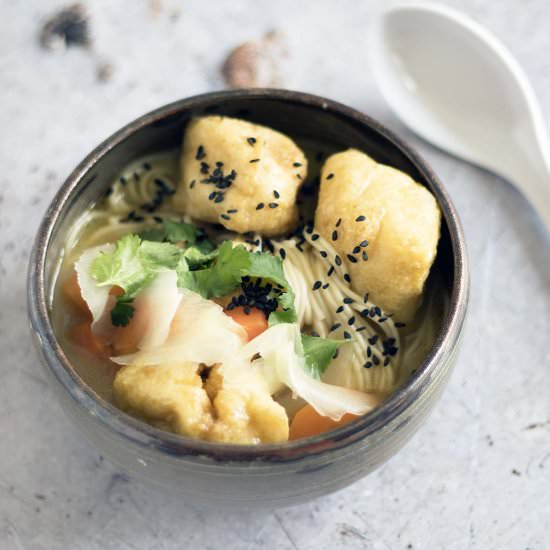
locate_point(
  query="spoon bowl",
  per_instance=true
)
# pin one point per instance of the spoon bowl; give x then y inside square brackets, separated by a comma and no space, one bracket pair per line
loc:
[453,83]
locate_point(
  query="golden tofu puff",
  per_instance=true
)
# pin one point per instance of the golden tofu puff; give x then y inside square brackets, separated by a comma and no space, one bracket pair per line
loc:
[384,226]
[242,175]
[173,397]
[169,396]
[244,409]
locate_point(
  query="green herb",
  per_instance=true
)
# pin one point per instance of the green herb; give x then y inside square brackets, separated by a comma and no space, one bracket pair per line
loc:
[224,274]
[176,232]
[179,233]
[318,352]
[121,313]
[282,316]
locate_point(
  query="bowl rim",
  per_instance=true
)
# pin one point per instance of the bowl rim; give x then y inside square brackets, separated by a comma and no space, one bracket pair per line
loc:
[142,434]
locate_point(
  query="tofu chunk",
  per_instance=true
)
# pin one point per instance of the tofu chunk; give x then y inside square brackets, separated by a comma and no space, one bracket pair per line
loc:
[242,175]
[170,397]
[397,217]
[175,398]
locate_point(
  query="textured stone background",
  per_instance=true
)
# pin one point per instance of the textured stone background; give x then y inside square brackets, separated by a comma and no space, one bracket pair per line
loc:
[476,476]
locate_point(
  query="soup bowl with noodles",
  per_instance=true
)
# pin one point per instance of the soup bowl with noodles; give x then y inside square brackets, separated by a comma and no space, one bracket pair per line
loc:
[258,317]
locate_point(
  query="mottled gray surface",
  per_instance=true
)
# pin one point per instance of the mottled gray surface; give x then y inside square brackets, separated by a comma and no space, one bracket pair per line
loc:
[476,476]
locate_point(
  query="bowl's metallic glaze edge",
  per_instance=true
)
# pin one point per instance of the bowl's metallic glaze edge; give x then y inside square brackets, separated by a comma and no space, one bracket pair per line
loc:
[329,462]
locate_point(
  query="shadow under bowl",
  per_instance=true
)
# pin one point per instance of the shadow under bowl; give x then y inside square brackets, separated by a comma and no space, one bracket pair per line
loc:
[263,475]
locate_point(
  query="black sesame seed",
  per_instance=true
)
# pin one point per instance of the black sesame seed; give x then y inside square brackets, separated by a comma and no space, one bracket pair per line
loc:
[369,351]
[330,271]
[219,164]
[347,300]
[192,184]
[347,278]
[364,313]
[251,140]
[254,160]
[204,168]
[360,219]
[373,339]
[326,285]
[360,329]
[375,360]
[200,153]
[276,194]
[314,237]
[334,327]
[366,298]
[338,222]
[299,176]
[347,335]
[364,243]
[400,325]
[219,198]
[259,206]
[323,254]
[356,250]
[367,365]
[146,166]
[364,256]
[382,319]
[246,310]
[330,176]
[297,164]
[212,195]
[337,260]
[225,217]
[339,309]
[352,258]
[232,211]
[317,285]
[378,311]
[282,252]
[351,320]
[273,205]
[123,180]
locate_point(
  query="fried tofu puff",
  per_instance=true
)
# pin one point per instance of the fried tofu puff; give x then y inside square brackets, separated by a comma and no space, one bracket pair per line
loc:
[397,217]
[241,175]
[174,398]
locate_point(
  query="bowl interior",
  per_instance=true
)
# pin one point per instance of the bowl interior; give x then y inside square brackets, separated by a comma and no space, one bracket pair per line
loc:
[298,115]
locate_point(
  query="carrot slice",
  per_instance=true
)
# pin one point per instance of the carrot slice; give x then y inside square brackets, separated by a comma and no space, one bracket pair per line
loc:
[308,422]
[83,336]
[71,293]
[253,322]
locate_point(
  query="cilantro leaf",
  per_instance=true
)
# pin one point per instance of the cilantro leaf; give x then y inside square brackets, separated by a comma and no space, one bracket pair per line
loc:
[133,264]
[176,232]
[121,313]
[318,352]
[223,276]
[197,257]
[122,267]
[282,316]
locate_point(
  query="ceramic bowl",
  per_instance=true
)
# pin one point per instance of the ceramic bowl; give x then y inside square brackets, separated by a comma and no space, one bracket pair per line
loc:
[263,475]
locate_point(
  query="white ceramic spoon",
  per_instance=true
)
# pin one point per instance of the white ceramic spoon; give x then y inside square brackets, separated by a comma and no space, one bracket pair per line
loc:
[453,83]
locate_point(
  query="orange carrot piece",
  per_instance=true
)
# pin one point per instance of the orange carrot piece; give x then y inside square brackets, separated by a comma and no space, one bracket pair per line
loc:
[308,422]
[71,293]
[83,336]
[254,322]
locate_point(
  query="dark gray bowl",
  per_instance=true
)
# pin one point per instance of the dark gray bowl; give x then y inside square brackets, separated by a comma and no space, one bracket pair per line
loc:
[264,475]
